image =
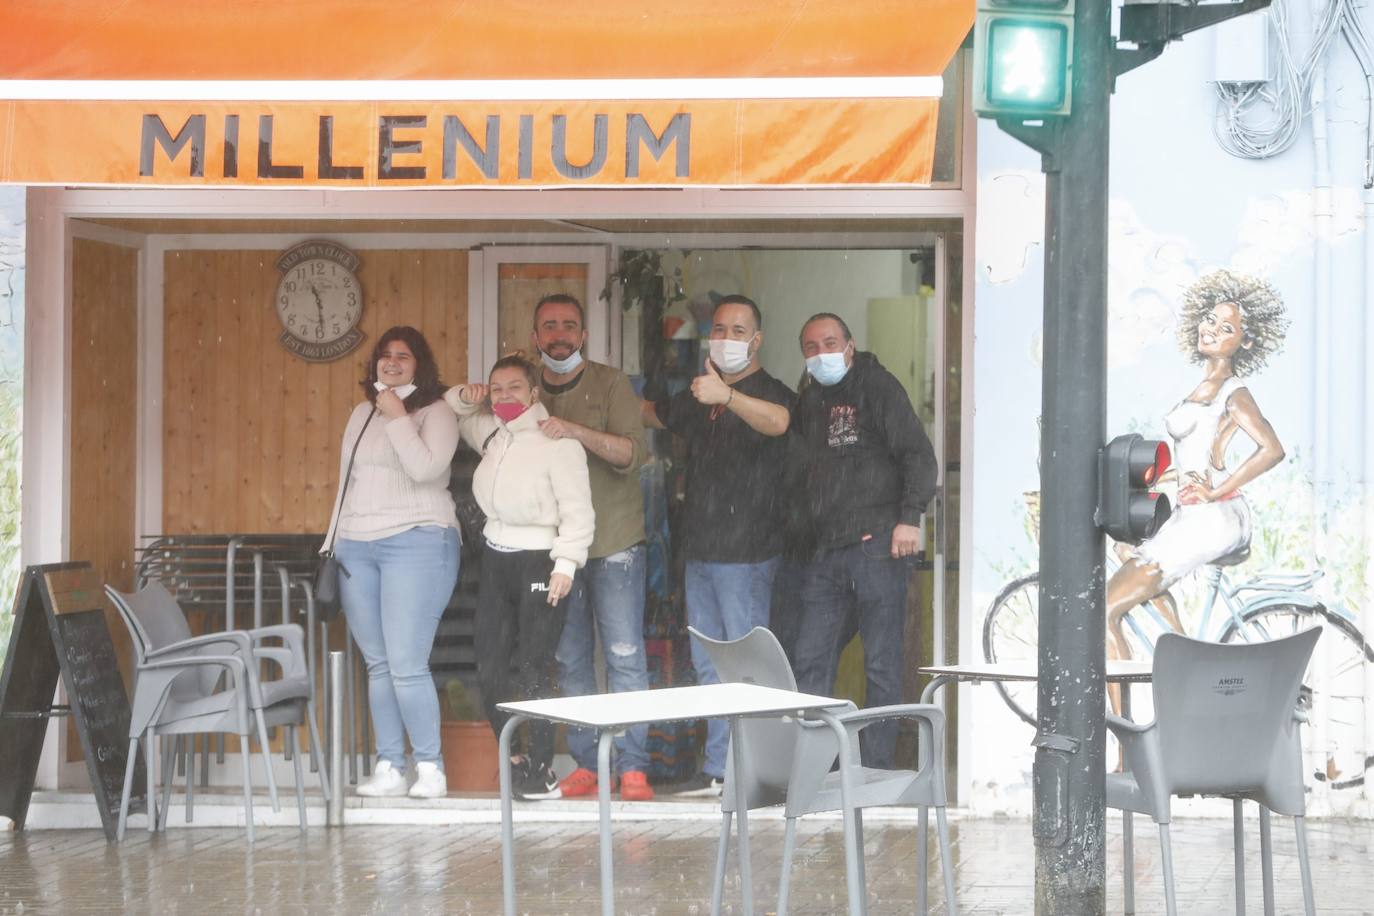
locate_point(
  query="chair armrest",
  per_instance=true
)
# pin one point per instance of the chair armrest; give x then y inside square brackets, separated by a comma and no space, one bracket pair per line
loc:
[276,654]
[930,721]
[236,638]
[293,640]
[1125,729]
[237,672]
[289,633]
[857,719]
[241,641]
[233,663]
[808,722]
[1143,786]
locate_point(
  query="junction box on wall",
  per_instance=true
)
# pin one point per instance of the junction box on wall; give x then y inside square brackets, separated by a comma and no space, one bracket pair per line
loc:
[1242,49]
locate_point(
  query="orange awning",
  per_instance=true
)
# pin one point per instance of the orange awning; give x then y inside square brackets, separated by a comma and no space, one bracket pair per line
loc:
[366,93]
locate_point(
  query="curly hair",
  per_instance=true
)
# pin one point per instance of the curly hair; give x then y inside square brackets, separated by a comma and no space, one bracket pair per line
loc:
[428,387]
[1264,321]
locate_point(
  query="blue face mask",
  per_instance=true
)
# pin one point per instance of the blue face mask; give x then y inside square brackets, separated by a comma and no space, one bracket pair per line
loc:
[827,368]
[562,366]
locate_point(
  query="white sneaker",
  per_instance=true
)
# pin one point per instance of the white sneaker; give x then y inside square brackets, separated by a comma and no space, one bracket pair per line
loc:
[386,782]
[430,781]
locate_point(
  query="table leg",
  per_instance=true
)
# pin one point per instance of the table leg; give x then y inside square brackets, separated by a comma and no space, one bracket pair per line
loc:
[507,833]
[923,748]
[603,797]
[746,878]
[1128,861]
[940,680]
[1127,824]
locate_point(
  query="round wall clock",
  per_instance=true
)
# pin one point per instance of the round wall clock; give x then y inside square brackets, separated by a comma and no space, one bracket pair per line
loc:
[319,300]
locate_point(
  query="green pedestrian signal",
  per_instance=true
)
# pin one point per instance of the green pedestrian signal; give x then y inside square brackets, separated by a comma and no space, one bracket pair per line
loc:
[1023,58]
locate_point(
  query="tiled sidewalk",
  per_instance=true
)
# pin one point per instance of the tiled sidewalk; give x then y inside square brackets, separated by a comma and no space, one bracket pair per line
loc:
[662,867]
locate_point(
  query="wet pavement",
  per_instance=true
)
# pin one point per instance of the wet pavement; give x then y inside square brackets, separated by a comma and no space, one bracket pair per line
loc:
[662,867]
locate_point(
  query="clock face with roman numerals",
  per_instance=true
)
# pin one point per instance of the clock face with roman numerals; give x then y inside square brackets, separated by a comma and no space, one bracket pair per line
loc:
[319,300]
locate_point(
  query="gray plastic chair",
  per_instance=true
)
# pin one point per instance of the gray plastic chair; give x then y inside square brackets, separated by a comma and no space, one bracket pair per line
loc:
[178,691]
[1226,724]
[790,760]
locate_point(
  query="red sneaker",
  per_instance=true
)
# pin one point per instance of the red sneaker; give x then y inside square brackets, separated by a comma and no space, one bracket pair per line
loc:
[634,786]
[579,783]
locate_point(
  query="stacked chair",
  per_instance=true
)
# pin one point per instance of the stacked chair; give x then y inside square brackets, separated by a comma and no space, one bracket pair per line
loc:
[185,685]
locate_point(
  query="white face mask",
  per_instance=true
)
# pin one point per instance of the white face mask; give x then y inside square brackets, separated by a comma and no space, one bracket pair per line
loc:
[562,366]
[401,391]
[730,356]
[827,368]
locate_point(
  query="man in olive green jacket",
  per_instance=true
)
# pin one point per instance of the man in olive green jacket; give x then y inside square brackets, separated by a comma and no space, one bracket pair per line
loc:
[594,404]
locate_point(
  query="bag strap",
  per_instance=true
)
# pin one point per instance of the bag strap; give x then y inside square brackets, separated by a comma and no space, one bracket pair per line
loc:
[343,485]
[487,441]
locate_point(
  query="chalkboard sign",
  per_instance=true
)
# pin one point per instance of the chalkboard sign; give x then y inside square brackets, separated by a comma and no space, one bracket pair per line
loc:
[59,630]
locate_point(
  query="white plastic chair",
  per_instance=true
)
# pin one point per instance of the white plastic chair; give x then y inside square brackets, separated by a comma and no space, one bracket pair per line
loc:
[790,760]
[1226,724]
[188,684]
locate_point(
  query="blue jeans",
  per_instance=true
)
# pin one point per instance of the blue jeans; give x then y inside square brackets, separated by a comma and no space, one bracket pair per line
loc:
[725,601]
[394,595]
[878,584]
[612,592]
[785,618]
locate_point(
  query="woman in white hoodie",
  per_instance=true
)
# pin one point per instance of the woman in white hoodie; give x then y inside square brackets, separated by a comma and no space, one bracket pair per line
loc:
[538,501]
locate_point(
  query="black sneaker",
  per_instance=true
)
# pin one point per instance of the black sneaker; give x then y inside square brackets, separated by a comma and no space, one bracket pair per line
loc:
[537,783]
[519,774]
[702,785]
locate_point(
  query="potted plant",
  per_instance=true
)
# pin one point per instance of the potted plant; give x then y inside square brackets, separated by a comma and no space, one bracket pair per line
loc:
[642,279]
[468,743]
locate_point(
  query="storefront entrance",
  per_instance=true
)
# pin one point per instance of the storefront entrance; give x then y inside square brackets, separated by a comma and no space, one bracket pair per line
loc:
[177,362]
[899,302]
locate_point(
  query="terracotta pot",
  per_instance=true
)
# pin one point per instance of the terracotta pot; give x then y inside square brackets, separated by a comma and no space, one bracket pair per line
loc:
[469,756]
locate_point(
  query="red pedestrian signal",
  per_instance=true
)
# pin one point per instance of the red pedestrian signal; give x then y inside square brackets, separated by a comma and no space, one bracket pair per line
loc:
[1127,467]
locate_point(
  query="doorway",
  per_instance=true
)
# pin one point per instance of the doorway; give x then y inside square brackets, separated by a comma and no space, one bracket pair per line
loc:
[901,302]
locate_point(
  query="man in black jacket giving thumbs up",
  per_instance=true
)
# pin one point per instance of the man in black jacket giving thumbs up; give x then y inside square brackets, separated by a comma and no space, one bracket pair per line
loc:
[733,419]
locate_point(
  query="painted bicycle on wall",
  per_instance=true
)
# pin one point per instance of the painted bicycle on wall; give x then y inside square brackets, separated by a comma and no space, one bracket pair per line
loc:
[1261,608]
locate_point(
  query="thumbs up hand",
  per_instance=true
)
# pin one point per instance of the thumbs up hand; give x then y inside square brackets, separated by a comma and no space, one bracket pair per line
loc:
[710,388]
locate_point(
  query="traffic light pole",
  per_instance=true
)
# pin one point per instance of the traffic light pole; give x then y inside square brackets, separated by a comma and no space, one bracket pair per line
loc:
[1069,770]
[1070,742]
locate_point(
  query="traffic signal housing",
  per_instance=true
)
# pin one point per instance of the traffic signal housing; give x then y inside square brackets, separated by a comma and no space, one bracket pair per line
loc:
[1127,467]
[1023,58]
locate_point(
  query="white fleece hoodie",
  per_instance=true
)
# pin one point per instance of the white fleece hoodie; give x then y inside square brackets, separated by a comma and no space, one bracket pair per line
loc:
[534,489]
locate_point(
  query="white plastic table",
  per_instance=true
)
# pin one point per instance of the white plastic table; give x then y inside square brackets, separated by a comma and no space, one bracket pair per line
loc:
[612,713]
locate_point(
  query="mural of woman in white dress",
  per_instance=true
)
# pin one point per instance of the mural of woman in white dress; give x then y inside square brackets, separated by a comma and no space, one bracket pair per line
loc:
[1230,325]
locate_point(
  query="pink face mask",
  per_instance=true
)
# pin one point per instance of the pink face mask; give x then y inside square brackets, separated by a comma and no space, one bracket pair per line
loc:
[509,410]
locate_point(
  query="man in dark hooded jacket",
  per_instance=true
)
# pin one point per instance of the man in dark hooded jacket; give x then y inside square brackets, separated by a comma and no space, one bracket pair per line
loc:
[869,473]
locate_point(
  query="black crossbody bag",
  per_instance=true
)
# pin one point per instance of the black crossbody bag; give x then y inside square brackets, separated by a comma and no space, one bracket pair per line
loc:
[329,569]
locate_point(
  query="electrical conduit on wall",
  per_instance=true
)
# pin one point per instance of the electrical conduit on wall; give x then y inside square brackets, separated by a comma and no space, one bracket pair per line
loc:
[1321,337]
[1366,613]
